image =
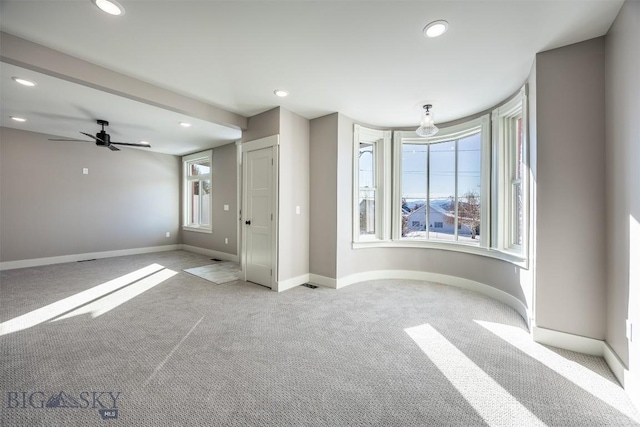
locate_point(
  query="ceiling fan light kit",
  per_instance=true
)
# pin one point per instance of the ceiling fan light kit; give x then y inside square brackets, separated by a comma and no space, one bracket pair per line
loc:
[103,139]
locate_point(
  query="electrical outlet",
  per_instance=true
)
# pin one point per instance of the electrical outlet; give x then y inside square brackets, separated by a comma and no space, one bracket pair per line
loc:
[226,207]
[297,210]
[226,240]
[85,171]
[167,234]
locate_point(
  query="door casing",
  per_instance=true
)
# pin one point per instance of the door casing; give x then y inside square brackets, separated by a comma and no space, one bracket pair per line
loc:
[271,142]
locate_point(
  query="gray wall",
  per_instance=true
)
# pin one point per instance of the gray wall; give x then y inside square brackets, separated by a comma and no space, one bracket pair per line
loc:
[262,125]
[571,224]
[224,187]
[532,124]
[622,83]
[293,228]
[49,208]
[324,187]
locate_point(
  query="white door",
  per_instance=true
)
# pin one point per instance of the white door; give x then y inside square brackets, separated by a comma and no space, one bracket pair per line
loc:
[258,216]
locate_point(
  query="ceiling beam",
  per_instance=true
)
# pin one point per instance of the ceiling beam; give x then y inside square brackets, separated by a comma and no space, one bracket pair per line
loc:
[23,53]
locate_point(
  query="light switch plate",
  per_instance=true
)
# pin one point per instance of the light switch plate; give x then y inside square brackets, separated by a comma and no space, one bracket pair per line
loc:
[85,171]
[226,207]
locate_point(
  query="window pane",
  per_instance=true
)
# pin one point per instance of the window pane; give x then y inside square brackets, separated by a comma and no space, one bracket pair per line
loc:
[517,167]
[469,203]
[367,205]
[414,191]
[366,164]
[199,167]
[205,202]
[195,202]
[519,212]
[518,196]
[442,183]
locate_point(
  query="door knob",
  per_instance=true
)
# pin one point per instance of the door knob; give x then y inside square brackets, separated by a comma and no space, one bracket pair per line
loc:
[248,222]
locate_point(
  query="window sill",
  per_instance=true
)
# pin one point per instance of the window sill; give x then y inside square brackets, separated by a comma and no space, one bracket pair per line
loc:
[196,229]
[446,246]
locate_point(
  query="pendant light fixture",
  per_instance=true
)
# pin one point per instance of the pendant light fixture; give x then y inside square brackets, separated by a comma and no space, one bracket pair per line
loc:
[427,127]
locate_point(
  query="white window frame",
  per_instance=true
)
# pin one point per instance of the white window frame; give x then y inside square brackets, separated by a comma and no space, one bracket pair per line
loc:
[504,181]
[381,140]
[449,133]
[187,180]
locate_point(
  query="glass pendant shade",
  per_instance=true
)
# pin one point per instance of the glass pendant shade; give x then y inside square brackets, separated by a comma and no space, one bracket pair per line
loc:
[427,127]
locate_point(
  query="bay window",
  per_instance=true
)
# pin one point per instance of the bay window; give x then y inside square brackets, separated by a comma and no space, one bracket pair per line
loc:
[463,189]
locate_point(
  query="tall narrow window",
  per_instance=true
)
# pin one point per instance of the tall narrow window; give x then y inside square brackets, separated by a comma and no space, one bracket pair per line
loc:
[510,177]
[516,197]
[368,188]
[197,190]
[371,184]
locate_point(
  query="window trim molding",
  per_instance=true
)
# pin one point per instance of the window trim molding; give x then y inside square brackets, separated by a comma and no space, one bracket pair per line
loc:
[203,155]
[502,183]
[382,175]
[449,133]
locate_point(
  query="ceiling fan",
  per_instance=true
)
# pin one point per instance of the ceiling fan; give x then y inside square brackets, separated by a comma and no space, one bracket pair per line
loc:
[103,139]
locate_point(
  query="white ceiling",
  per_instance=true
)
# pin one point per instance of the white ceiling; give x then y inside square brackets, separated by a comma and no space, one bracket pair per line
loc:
[61,108]
[365,59]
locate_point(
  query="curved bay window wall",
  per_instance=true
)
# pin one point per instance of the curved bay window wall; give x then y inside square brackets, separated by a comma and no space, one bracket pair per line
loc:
[463,189]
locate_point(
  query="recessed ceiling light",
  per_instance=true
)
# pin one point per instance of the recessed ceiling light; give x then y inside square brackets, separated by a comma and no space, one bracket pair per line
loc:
[436,28]
[111,7]
[281,93]
[23,82]
[185,124]
[18,119]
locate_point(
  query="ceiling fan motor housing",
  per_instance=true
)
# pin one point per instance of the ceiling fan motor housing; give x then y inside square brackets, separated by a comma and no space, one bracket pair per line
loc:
[103,136]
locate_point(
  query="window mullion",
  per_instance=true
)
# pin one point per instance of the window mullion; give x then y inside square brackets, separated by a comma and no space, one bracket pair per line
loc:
[427,207]
[455,194]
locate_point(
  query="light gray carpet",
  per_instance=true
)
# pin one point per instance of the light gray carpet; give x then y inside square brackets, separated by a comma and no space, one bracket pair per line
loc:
[188,353]
[218,272]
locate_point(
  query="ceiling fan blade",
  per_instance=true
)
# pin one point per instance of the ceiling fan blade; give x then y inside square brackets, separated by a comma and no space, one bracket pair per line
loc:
[132,145]
[68,139]
[112,148]
[91,136]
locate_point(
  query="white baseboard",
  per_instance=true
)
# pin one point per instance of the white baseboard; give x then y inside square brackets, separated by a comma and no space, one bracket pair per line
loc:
[568,341]
[210,252]
[327,282]
[615,364]
[444,279]
[35,262]
[630,382]
[292,283]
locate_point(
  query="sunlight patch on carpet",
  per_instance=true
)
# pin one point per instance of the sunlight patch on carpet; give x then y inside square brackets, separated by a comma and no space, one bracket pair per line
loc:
[584,378]
[92,295]
[493,403]
[218,273]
